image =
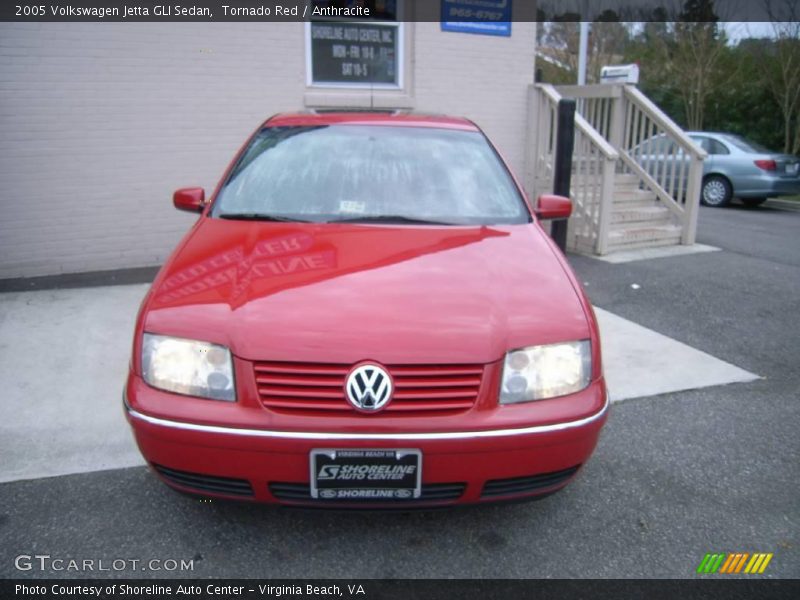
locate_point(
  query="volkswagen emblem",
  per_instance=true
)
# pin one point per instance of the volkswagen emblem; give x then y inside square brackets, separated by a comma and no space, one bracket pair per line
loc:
[369,387]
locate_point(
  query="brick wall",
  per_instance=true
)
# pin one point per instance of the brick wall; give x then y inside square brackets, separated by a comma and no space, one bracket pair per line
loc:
[101,122]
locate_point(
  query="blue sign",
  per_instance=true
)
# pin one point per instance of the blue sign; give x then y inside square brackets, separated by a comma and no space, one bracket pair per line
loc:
[484,17]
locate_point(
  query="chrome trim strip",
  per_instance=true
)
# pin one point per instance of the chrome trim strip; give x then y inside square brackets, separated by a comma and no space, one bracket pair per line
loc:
[315,435]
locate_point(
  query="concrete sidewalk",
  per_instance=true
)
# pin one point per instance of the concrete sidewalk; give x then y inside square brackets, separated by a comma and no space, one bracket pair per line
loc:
[64,357]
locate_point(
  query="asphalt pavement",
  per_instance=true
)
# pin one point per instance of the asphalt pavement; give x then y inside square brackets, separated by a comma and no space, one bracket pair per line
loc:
[674,476]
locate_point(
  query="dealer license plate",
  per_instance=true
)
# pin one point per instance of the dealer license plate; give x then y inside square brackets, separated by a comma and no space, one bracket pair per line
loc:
[791,169]
[356,474]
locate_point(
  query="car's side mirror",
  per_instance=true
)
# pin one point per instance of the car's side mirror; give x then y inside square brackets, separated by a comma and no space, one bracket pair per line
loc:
[190,199]
[549,206]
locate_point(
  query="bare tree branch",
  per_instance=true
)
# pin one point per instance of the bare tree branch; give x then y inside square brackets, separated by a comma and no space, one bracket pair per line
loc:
[781,72]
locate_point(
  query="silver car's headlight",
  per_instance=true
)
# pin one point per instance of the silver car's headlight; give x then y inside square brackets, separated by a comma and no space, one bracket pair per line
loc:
[188,367]
[541,372]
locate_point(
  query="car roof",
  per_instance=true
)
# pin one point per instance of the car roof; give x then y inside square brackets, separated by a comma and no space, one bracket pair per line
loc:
[390,118]
[711,133]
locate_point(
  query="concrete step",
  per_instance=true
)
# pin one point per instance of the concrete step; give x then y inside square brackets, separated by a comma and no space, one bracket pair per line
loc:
[655,215]
[581,245]
[642,245]
[640,235]
[630,237]
[626,200]
[629,198]
[622,195]
[626,189]
[626,179]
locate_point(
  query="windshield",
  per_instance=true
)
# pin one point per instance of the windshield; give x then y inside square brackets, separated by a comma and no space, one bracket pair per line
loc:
[378,173]
[747,145]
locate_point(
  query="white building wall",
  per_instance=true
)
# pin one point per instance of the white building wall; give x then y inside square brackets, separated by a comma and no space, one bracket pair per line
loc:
[100,122]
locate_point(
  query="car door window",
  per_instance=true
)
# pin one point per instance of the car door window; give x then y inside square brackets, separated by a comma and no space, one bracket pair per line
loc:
[710,145]
[659,144]
[703,142]
[715,147]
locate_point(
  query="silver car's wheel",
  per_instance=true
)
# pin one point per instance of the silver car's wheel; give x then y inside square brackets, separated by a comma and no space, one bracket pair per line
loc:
[716,191]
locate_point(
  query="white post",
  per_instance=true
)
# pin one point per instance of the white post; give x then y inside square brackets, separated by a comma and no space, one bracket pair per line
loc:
[582,51]
[616,129]
[689,231]
[606,206]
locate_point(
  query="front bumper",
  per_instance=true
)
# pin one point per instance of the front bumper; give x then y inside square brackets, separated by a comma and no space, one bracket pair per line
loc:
[476,464]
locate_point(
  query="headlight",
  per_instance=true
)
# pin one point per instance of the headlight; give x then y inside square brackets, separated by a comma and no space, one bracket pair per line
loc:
[541,372]
[188,367]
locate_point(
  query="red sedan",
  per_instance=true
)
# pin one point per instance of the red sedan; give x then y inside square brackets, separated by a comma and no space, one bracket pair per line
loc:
[367,313]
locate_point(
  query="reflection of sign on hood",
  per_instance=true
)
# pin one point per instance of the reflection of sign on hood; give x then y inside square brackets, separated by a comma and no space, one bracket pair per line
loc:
[275,256]
[291,255]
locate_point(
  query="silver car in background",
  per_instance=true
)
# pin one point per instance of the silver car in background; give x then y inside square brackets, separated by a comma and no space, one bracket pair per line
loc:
[735,167]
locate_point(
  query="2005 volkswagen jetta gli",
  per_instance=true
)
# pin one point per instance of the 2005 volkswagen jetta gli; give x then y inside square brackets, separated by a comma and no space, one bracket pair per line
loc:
[367,313]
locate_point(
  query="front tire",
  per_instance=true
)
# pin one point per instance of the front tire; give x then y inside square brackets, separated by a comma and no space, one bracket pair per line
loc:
[753,202]
[716,191]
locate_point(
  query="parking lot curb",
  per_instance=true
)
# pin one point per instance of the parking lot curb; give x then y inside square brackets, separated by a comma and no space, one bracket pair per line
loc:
[783,204]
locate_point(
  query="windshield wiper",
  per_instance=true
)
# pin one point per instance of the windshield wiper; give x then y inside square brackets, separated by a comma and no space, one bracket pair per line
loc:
[261,217]
[389,219]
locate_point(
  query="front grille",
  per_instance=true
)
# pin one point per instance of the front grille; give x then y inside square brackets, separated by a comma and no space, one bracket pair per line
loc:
[206,483]
[432,492]
[301,386]
[526,485]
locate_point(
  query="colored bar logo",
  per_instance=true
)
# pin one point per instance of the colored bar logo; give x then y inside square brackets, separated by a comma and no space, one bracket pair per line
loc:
[735,562]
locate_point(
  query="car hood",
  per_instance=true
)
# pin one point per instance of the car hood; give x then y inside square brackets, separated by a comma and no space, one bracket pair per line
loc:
[342,293]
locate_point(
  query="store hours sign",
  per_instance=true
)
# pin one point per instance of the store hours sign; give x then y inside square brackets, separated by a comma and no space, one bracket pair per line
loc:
[359,54]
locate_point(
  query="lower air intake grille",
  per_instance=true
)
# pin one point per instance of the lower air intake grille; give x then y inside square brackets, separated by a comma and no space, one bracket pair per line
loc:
[433,492]
[526,485]
[206,483]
